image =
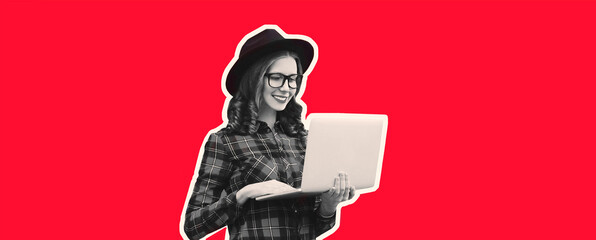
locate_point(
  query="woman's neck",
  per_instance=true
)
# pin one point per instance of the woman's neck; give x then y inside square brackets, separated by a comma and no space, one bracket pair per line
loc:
[268,116]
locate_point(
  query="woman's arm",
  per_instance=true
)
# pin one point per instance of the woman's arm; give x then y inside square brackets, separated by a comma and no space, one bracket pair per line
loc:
[325,212]
[208,209]
[323,222]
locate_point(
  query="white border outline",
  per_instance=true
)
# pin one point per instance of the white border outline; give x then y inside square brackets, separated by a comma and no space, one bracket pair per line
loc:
[298,97]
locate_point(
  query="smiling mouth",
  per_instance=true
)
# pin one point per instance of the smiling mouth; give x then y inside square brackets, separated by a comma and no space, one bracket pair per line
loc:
[280,98]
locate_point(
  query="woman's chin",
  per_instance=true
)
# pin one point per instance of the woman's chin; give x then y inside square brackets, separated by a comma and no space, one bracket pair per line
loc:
[280,108]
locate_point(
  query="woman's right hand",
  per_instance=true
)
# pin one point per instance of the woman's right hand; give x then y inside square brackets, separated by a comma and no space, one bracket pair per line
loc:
[259,189]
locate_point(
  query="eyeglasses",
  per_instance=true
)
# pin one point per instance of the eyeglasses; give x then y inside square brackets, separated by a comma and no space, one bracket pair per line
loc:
[278,80]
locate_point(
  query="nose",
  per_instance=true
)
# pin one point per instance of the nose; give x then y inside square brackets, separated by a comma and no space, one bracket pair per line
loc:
[285,86]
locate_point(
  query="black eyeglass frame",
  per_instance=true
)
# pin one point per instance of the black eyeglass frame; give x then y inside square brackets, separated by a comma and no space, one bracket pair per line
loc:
[285,77]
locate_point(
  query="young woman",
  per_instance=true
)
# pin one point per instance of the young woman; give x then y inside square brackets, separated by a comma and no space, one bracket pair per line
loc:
[261,151]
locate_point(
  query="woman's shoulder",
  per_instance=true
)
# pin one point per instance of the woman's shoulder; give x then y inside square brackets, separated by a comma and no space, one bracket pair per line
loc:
[226,135]
[221,133]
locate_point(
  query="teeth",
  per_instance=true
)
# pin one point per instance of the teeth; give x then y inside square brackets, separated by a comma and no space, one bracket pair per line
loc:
[280,98]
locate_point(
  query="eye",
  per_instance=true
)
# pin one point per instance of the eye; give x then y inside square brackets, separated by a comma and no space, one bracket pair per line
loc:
[276,77]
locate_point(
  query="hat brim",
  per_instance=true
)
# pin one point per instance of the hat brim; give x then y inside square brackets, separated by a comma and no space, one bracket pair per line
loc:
[303,49]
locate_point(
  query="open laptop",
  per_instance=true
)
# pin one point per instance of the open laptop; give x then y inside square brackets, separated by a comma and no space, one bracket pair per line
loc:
[352,143]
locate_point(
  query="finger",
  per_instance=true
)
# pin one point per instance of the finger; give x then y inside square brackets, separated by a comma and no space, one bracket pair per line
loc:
[347,181]
[352,192]
[342,185]
[337,187]
[342,181]
[346,194]
[339,182]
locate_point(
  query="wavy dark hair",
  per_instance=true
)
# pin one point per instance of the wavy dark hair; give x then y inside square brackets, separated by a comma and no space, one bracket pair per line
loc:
[243,108]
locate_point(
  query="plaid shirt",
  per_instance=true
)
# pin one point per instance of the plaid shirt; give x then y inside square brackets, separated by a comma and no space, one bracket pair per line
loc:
[231,162]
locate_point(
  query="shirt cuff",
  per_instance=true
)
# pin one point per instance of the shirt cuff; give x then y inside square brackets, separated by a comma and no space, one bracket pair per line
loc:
[234,209]
[325,216]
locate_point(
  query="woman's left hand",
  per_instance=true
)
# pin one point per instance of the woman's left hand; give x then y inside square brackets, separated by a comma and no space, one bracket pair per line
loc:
[342,191]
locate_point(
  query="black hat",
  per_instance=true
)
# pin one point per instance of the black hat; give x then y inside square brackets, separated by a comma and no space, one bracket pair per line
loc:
[261,44]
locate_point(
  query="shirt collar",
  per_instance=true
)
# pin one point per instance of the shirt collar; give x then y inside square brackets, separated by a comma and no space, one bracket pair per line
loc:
[262,127]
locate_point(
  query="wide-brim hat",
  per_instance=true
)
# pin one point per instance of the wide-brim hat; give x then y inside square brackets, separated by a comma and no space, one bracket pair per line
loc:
[263,43]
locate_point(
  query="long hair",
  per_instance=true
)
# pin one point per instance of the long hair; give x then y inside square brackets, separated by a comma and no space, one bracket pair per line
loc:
[243,108]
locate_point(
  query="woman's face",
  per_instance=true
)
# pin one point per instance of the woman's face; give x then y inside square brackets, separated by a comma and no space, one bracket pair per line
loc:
[278,98]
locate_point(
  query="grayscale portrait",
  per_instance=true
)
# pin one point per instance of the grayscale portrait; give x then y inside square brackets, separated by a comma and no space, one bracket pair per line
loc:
[249,175]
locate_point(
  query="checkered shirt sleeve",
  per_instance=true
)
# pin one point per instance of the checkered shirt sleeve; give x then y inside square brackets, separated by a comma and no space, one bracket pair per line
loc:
[209,209]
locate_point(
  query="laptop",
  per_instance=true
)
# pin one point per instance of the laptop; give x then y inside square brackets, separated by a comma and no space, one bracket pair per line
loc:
[352,143]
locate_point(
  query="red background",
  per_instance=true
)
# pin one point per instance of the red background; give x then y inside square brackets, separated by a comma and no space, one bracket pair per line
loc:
[105,104]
